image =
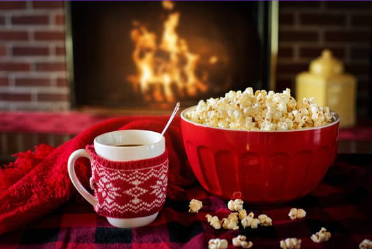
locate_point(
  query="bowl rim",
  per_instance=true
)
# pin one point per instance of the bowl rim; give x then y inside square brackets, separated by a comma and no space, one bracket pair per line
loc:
[335,116]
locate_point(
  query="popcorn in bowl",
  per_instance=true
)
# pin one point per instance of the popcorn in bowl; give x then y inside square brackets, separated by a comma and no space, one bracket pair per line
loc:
[260,110]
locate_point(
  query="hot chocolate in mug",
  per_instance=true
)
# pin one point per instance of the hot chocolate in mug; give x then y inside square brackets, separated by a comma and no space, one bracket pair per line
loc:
[129,176]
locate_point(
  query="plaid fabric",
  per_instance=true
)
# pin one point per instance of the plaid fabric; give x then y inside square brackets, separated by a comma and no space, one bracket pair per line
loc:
[342,203]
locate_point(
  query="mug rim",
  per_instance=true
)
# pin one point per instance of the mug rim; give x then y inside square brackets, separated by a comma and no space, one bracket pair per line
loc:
[129,147]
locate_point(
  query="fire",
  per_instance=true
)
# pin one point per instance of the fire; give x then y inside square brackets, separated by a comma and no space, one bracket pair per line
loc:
[165,68]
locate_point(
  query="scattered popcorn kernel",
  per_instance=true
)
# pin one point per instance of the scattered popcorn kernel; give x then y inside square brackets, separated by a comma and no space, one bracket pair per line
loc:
[290,243]
[259,110]
[365,244]
[242,214]
[295,213]
[301,213]
[231,222]
[247,221]
[217,244]
[255,223]
[235,205]
[241,241]
[195,206]
[233,216]
[250,221]
[265,220]
[213,221]
[321,236]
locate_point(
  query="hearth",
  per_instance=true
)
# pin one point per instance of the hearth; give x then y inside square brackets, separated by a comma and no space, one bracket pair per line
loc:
[148,55]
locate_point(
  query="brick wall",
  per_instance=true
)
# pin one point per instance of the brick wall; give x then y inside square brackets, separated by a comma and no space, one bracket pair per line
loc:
[305,28]
[32,56]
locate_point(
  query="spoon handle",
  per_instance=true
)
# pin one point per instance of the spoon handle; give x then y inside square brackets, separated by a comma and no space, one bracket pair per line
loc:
[171,117]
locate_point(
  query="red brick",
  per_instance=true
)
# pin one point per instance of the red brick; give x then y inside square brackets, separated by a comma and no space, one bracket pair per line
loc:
[286,19]
[347,36]
[285,52]
[52,97]
[51,66]
[49,35]
[2,20]
[361,20]
[10,5]
[30,20]
[62,82]
[59,19]
[348,5]
[3,51]
[360,53]
[47,5]
[14,66]
[295,36]
[13,35]
[32,82]
[298,5]
[60,51]
[30,51]
[323,19]
[313,53]
[292,68]
[4,81]
[15,96]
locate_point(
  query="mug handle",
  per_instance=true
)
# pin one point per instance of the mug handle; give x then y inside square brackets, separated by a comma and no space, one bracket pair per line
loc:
[72,174]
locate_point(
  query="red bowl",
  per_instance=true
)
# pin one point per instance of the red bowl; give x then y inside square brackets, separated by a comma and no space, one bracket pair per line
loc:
[260,167]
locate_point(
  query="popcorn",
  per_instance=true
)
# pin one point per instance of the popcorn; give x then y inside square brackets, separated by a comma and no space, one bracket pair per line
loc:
[260,110]
[321,236]
[231,222]
[295,213]
[265,220]
[235,205]
[247,221]
[242,214]
[250,221]
[217,244]
[240,240]
[195,206]
[290,243]
[365,244]
[255,223]
[213,221]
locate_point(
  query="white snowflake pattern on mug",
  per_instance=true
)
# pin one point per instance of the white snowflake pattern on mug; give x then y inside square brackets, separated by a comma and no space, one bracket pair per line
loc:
[159,188]
[107,190]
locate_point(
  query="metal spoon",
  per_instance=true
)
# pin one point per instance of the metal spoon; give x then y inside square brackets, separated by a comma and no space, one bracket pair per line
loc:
[171,118]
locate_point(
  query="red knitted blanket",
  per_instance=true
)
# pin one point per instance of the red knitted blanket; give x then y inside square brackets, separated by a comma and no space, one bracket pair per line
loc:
[38,183]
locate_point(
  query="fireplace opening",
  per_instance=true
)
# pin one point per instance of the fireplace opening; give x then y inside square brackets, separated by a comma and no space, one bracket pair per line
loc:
[148,55]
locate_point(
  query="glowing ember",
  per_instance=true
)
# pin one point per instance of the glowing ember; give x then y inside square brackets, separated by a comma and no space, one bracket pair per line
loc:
[167,68]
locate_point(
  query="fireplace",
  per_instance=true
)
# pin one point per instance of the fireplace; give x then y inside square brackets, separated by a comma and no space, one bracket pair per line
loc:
[148,55]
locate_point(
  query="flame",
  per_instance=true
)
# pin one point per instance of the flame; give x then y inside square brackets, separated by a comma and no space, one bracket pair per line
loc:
[213,59]
[168,5]
[162,66]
